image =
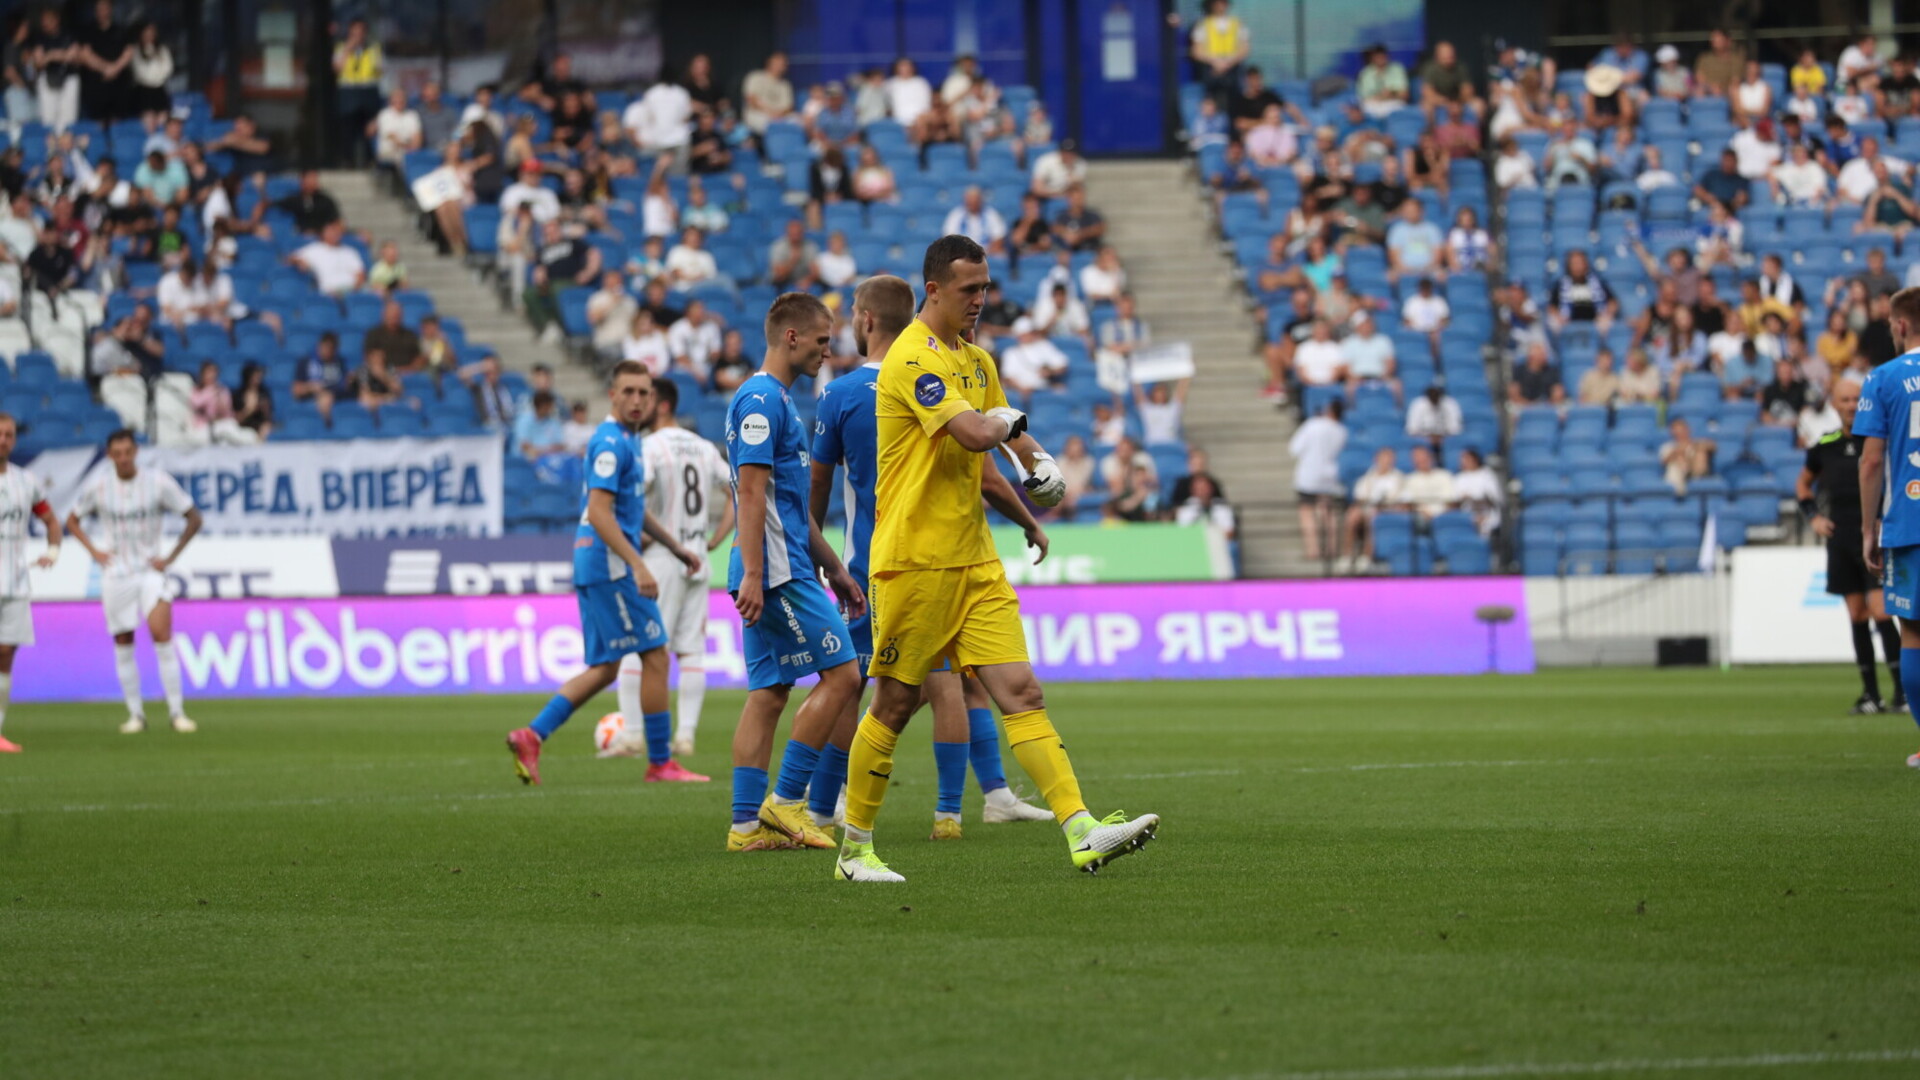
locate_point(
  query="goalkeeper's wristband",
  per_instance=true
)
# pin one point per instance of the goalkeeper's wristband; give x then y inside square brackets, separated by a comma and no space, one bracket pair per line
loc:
[1809,509]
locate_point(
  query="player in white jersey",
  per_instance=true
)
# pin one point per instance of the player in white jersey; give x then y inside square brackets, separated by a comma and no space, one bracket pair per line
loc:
[22,496]
[687,479]
[130,507]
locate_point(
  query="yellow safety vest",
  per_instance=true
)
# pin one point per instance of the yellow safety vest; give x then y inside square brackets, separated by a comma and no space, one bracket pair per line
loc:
[1222,35]
[361,68]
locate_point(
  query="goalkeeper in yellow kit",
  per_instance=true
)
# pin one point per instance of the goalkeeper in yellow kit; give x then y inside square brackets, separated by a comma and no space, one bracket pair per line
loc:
[938,592]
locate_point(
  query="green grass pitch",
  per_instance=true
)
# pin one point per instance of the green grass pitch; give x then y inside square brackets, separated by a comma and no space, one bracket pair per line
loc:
[1608,873]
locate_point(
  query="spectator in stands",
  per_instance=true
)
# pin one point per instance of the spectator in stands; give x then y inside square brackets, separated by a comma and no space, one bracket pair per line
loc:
[1538,380]
[1877,345]
[539,431]
[565,262]
[1204,505]
[790,259]
[1033,363]
[57,57]
[1078,227]
[1756,306]
[1799,181]
[873,181]
[396,131]
[19,230]
[835,267]
[1428,490]
[1382,84]
[1580,296]
[1076,465]
[828,181]
[1514,168]
[836,124]
[1860,176]
[253,401]
[1126,455]
[1059,314]
[1469,247]
[1571,156]
[1374,491]
[1756,150]
[1319,361]
[388,272]
[358,67]
[151,64]
[701,213]
[1162,408]
[336,267]
[1891,207]
[1898,94]
[1837,344]
[908,93]
[1209,126]
[1104,279]
[1109,425]
[528,190]
[177,296]
[398,345]
[1858,59]
[1425,164]
[1786,397]
[1358,219]
[1478,491]
[1218,46]
[373,382]
[1426,312]
[1337,303]
[695,339]
[1445,82]
[974,219]
[1367,355]
[998,311]
[707,149]
[1272,143]
[439,123]
[1415,246]
[731,366]
[1136,494]
[210,418]
[322,377]
[1684,458]
[1197,466]
[1457,135]
[493,401]
[1059,170]
[51,266]
[1599,385]
[644,341]
[1626,58]
[578,431]
[1741,375]
[1878,280]
[1717,71]
[659,215]
[689,263]
[1639,384]
[1435,415]
[312,208]
[660,121]
[1752,98]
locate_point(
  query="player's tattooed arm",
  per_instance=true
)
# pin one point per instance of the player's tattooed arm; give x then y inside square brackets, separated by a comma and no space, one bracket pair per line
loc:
[186,537]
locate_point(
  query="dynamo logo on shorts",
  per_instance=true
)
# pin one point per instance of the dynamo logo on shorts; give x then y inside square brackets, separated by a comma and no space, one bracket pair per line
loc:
[928,390]
[831,643]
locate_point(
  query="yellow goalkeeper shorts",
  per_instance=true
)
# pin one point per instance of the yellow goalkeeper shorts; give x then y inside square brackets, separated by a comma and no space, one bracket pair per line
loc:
[923,618]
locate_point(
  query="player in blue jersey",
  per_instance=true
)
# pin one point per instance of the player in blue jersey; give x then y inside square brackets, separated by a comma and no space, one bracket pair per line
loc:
[792,628]
[1889,420]
[844,434]
[615,590]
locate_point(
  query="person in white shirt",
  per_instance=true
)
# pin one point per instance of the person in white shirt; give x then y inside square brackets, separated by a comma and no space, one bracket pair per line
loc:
[977,221]
[1368,356]
[835,266]
[337,269]
[528,189]
[1161,408]
[180,297]
[1204,504]
[1374,491]
[908,93]
[695,339]
[1059,314]
[1514,168]
[1426,311]
[1654,173]
[1033,363]
[1103,279]
[1058,171]
[1435,415]
[395,131]
[20,230]
[1478,490]
[1427,491]
[1861,58]
[689,263]
[610,312]
[659,214]
[1318,360]
[1799,181]
[688,493]
[660,120]
[1856,182]
[23,496]
[646,343]
[130,506]
[1316,447]
[1756,149]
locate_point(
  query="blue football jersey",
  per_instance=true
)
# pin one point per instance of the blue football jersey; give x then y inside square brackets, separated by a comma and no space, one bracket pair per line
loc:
[763,428]
[844,434]
[613,464]
[1890,410]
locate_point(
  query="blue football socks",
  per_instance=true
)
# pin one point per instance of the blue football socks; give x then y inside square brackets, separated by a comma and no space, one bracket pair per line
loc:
[828,778]
[1910,680]
[749,791]
[796,769]
[554,713]
[984,749]
[950,761]
[659,737]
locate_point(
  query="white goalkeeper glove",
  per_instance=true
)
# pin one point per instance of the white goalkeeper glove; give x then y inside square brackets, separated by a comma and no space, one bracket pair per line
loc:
[1045,486]
[1015,420]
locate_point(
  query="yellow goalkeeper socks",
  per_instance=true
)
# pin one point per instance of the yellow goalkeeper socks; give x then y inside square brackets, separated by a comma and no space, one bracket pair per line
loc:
[1039,749]
[869,771]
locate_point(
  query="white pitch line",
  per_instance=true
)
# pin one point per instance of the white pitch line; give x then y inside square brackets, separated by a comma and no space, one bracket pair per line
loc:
[1596,1068]
[318,800]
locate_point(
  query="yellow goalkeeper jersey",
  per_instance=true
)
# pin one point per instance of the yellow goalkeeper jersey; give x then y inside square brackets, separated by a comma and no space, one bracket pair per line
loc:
[927,509]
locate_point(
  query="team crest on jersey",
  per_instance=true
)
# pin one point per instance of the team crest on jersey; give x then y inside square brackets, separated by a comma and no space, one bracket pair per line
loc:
[929,390]
[933,343]
[1913,489]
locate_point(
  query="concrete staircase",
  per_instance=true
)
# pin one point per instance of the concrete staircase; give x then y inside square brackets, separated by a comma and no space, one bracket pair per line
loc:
[457,292]
[1186,291]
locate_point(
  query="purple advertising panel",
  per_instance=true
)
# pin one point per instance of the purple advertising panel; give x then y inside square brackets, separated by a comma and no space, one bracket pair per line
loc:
[1076,633]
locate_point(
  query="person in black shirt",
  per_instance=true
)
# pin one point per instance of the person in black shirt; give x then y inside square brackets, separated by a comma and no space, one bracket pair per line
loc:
[547,90]
[57,57]
[51,268]
[107,52]
[564,262]
[1250,103]
[999,311]
[1829,491]
[708,97]
[1876,341]
[312,208]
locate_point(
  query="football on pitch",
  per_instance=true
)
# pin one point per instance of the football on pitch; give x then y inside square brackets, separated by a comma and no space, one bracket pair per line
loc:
[607,733]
